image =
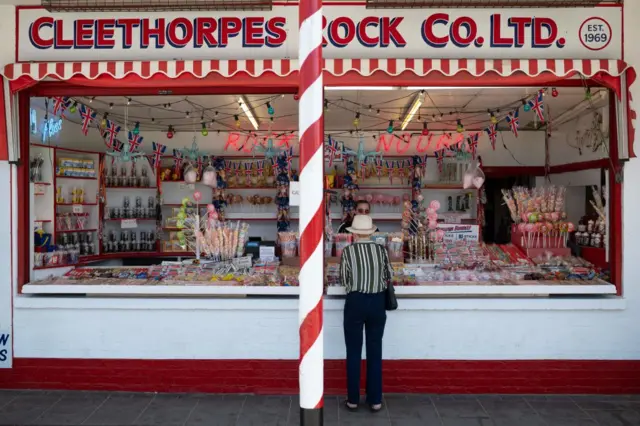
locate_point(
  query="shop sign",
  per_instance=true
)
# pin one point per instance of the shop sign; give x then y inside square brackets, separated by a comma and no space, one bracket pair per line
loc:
[294,193]
[454,233]
[49,129]
[5,348]
[350,31]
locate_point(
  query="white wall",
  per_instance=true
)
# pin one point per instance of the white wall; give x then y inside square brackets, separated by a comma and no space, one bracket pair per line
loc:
[453,329]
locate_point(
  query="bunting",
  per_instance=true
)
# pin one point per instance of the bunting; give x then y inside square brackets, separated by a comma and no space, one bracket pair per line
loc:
[492,132]
[473,145]
[177,160]
[88,116]
[513,121]
[158,152]
[60,104]
[537,106]
[134,141]
[110,132]
[439,158]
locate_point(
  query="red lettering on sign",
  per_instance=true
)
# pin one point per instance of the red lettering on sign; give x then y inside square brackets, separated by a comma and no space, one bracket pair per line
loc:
[403,143]
[276,34]
[427,30]
[127,25]
[390,32]
[497,40]
[383,144]
[520,24]
[104,31]
[59,42]
[542,25]
[232,140]
[148,32]
[34,32]
[229,27]
[83,33]
[205,29]
[363,37]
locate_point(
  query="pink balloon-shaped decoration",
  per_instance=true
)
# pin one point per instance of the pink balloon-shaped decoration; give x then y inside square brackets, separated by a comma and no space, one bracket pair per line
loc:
[435,204]
[197,196]
[360,198]
[377,198]
[369,198]
[210,208]
[405,197]
[396,200]
[433,224]
[430,211]
[524,217]
[432,217]
[390,199]
[440,234]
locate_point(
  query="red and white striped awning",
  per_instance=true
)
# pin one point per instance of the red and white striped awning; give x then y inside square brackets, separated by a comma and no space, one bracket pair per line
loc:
[283,67]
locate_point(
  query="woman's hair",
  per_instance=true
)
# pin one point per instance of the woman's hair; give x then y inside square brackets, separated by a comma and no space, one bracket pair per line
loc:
[363,202]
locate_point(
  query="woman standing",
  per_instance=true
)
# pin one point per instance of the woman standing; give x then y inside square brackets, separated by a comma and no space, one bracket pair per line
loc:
[365,270]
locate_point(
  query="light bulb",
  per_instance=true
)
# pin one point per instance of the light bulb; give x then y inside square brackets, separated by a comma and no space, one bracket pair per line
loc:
[460,127]
[587,94]
[527,107]
[270,109]
[237,120]
[204,131]
[73,108]
[390,128]
[425,130]
[554,92]
[136,128]
[170,133]
[494,119]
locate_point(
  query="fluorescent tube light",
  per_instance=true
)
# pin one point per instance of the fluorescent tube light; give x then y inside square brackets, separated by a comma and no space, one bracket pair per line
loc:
[247,112]
[336,88]
[415,106]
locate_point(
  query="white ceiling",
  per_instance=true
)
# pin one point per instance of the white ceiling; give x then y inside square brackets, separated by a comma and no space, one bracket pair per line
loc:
[470,105]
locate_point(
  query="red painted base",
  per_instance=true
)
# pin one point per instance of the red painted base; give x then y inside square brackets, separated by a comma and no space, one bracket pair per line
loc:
[281,377]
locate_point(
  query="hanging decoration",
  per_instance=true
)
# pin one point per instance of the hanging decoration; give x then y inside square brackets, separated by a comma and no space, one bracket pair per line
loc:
[492,132]
[513,121]
[282,198]
[333,150]
[135,141]
[439,158]
[361,155]
[192,153]
[177,164]
[378,164]
[473,145]
[536,104]
[88,116]
[60,105]
[269,150]
[109,133]
[350,186]
[170,132]
[123,152]
[158,152]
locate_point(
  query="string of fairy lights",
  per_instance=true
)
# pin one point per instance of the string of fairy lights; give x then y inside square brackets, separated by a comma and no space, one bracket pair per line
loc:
[188,115]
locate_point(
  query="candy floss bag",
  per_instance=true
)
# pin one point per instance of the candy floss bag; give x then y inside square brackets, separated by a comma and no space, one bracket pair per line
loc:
[474,176]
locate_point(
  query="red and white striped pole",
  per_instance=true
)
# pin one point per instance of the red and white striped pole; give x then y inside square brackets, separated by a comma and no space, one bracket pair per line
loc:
[311,213]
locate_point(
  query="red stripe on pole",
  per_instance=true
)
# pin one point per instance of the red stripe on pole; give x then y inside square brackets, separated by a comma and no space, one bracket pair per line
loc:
[311,69]
[310,329]
[313,138]
[305,10]
[313,235]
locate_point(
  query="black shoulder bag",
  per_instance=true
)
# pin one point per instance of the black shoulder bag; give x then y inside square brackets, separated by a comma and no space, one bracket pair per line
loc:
[391,303]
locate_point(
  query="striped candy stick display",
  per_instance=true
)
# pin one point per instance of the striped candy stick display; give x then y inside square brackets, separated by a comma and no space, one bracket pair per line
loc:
[311,369]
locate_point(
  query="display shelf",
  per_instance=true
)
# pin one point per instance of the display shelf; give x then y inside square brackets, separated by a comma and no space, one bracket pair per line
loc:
[178,253]
[532,288]
[41,183]
[251,187]
[38,268]
[132,187]
[76,204]
[450,186]
[43,220]
[176,290]
[76,177]
[75,230]
[139,219]
[172,228]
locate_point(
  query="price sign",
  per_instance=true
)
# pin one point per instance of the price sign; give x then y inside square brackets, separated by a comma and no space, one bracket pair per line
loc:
[294,193]
[454,233]
[128,223]
[77,208]
[595,33]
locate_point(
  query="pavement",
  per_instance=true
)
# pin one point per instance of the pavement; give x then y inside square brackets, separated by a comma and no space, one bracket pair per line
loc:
[118,408]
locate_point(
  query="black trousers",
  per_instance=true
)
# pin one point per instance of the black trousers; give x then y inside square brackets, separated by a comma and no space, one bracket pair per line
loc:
[364,311]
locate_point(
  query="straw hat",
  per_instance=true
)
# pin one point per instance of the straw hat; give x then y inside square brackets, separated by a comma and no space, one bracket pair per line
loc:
[362,225]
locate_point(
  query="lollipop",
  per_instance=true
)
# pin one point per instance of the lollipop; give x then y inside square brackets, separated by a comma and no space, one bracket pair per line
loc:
[396,200]
[433,224]
[377,198]
[435,204]
[405,197]
[368,198]
[439,234]
[197,196]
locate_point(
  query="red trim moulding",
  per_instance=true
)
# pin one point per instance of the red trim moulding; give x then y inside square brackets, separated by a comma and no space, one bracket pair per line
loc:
[281,376]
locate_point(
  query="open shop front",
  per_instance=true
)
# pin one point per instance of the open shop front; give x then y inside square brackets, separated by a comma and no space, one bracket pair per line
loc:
[485,177]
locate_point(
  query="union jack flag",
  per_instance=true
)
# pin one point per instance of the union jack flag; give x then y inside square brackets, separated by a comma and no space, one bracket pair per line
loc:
[331,150]
[134,141]
[288,154]
[379,167]
[158,151]
[247,168]
[390,169]
[227,167]
[236,169]
[260,168]
[513,121]
[424,166]
[439,158]
[363,168]
[536,104]
[473,145]
[401,169]
[88,115]
[493,134]
[60,104]
[110,132]
[177,160]
[411,165]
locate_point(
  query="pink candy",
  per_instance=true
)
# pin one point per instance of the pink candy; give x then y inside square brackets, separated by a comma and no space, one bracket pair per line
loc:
[435,204]
[405,197]
[369,198]
[197,196]
[396,200]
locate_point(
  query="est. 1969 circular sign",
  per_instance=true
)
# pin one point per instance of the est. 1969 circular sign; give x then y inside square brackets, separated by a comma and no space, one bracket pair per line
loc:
[595,33]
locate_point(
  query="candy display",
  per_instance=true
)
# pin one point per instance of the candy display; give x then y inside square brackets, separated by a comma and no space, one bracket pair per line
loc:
[129,241]
[540,216]
[128,177]
[288,243]
[140,209]
[74,167]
